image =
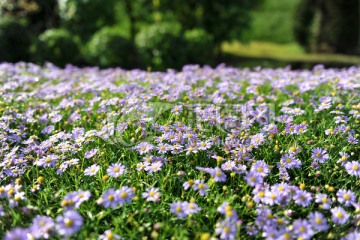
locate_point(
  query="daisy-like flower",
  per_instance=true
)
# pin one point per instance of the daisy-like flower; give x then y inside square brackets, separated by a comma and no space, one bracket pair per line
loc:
[109,198]
[191,208]
[218,175]
[115,170]
[346,197]
[91,153]
[189,183]
[253,179]
[41,227]
[339,216]
[352,140]
[151,194]
[201,186]
[17,233]
[226,230]
[344,158]
[260,168]
[109,235]
[352,236]
[179,209]
[318,221]
[290,161]
[257,140]
[319,155]
[92,170]
[323,200]
[125,195]
[353,168]
[302,198]
[303,229]
[69,223]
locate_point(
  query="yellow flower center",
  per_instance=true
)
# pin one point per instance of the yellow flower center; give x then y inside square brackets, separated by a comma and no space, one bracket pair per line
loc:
[123,195]
[68,222]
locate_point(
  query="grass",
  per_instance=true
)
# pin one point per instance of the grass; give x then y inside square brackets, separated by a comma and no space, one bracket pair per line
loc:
[286,53]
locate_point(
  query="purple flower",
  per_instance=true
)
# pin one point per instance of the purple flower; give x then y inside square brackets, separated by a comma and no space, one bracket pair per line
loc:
[125,195]
[179,209]
[352,140]
[318,221]
[319,155]
[257,140]
[42,226]
[226,230]
[17,234]
[109,198]
[151,194]
[109,235]
[339,215]
[92,170]
[302,229]
[253,179]
[260,168]
[144,147]
[344,158]
[201,186]
[353,168]
[352,236]
[115,170]
[191,208]
[69,223]
[91,153]
[346,197]
[218,175]
[48,161]
[290,161]
[323,199]
[302,198]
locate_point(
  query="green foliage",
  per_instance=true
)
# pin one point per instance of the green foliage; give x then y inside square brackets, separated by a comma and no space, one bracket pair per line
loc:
[39,14]
[58,46]
[109,48]
[161,46]
[200,47]
[15,40]
[273,21]
[84,17]
[224,19]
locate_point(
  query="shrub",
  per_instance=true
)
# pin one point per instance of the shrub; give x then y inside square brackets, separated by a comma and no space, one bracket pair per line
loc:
[200,47]
[58,46]
[15,41]
[109,48]
[161,46]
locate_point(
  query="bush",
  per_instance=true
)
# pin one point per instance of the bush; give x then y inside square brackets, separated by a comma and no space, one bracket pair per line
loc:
[200,47]
[58,46]
[15,41]
[109,48]
[161,46]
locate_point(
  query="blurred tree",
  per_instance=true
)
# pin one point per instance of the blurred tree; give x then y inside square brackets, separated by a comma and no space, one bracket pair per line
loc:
[58,46]
[85,17]
[40,14]
[223,19]
[336,25]
[14,40]
[109,48]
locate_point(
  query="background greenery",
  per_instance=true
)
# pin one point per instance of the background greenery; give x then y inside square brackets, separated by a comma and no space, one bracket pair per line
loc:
[160,34]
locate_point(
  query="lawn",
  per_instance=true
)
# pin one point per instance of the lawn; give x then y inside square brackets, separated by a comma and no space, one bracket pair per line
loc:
[203,153]
[275,54]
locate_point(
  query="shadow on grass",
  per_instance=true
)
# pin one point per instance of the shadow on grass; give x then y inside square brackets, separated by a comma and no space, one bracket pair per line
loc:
[245,61]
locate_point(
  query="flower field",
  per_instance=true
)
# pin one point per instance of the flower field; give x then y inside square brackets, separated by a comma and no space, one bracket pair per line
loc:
[203,153]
